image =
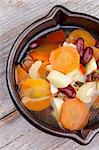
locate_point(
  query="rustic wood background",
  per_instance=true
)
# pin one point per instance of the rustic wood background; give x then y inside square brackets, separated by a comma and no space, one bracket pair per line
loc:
[15,132]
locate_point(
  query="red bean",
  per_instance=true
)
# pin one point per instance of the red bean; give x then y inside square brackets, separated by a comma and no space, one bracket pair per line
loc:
[97,43]
[88,54]
[89,77]
[69,91]
[79,42]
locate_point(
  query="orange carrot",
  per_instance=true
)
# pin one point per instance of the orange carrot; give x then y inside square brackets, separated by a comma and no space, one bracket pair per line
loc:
[65,59]
[43,51]
[80,33]
[35,88]
[74,115]
[55,37]
[36,104]
[82,69]
[21,75]
[35,94]
[42,70]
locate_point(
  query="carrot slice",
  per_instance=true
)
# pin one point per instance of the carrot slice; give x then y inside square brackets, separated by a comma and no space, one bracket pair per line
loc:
[21,75]
[74,115]
[80,33]
[35,88]
[55,37]
[65,59]
[43,51]
[42,70]
[36,104]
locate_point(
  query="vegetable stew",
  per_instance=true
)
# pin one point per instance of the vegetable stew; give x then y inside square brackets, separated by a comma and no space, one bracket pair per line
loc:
[62,71]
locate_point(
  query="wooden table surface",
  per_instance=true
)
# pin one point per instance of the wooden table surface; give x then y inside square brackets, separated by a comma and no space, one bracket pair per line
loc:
[15,132]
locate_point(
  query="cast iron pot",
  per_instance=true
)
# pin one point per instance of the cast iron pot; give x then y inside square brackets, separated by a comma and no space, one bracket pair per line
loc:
[58,17]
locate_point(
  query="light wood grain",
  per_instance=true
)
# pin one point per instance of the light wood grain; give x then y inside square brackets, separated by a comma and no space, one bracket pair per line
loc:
[15,132]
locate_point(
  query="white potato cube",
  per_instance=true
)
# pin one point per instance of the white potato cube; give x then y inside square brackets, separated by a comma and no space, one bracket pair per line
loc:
[76,75]
[58,79]
[86,92]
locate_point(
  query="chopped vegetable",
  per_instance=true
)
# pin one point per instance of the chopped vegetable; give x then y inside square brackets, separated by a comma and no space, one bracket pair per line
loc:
[33,71]
[76,75]
[65,59]
[42,70]
[43,51]
[58,79]
[74,115]
[80,33]
[36,104]
[35,88]
[91,66]
[86,92]
[21,75]
[57,105]
[54,89]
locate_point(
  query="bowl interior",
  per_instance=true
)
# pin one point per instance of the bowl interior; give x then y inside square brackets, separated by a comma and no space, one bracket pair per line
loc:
[57,18]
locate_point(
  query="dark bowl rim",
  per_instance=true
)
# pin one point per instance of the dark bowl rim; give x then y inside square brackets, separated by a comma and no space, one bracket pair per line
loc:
[50,15]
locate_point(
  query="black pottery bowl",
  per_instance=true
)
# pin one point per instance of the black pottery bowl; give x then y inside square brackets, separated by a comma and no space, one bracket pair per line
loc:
[58,17]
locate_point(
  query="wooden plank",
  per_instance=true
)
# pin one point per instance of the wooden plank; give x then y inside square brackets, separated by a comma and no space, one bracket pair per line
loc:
[6,105]
[23,10]
[20,134]
[17,134]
